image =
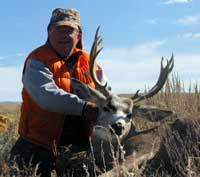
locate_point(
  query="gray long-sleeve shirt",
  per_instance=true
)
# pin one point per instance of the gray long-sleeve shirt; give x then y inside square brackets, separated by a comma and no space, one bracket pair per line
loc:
[38,81]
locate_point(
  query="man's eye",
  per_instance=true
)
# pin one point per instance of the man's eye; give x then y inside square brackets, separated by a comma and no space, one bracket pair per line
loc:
[106,109]
[69,32]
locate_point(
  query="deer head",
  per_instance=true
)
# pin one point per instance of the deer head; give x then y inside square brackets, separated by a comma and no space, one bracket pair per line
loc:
[116,112]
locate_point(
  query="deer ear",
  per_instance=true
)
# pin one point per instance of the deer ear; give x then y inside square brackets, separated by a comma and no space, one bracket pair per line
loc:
[85,92]
[151,113]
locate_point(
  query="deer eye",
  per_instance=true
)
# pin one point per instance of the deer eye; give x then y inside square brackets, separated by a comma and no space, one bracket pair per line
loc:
[112,107]
[129,116]
[106,109]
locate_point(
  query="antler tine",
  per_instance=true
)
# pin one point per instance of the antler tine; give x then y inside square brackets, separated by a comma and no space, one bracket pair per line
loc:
[171,61]
[164,72]
[135,95]
[95,50]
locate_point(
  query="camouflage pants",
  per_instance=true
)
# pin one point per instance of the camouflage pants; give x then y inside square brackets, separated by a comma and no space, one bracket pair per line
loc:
[31,158]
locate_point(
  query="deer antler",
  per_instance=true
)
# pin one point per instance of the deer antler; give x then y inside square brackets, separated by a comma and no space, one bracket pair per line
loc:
[95,50]
[164,72]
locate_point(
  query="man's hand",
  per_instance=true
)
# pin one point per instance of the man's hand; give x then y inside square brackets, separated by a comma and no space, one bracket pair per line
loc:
[90,114]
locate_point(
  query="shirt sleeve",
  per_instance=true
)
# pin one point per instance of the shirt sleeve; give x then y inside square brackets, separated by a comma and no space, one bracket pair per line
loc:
[38,81]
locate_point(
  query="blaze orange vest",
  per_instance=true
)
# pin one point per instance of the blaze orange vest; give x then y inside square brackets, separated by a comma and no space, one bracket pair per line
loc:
[37,125]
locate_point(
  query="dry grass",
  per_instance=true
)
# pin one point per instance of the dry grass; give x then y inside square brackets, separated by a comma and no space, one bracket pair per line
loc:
[186,104]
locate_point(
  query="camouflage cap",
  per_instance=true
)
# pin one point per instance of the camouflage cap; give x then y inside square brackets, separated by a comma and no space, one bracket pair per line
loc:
[66,17]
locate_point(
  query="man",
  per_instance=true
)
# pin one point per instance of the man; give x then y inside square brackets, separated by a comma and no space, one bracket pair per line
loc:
[51,115]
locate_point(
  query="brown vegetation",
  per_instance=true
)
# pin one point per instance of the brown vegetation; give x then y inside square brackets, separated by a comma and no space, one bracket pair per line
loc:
[4,121]
[178,151]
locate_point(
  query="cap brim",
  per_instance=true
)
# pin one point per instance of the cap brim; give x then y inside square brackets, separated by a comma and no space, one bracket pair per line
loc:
[66,23]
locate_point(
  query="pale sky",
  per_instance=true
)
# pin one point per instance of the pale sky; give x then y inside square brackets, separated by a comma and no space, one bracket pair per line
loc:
[136,34]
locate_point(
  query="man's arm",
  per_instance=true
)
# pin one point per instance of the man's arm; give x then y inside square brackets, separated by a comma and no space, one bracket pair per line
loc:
[38,81]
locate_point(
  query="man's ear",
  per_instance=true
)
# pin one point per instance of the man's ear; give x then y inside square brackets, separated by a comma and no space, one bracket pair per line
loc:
[151,113]
[79,45]
[85,92]
[79,36]
[49,30]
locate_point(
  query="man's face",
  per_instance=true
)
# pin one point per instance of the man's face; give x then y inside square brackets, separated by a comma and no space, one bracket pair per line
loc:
[63,39]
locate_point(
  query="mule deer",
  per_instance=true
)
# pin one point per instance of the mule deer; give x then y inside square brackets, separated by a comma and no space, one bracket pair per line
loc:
[114,123]
[116,111]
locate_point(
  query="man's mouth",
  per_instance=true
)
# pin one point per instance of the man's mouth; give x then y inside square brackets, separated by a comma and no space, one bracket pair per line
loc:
[64,42]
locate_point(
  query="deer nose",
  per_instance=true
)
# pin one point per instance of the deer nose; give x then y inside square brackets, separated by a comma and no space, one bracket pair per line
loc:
[117,127]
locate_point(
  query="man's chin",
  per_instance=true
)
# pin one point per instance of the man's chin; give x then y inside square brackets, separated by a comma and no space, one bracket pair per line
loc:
[65,53]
